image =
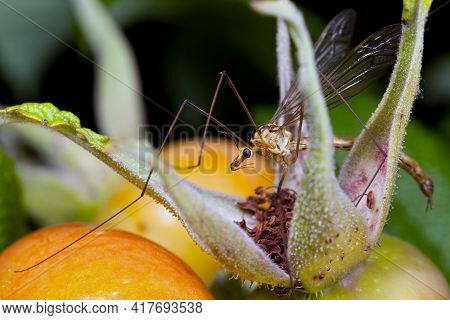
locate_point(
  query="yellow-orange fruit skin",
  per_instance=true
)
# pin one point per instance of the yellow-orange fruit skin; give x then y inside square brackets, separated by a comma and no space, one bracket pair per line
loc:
[115,265]
[214,172]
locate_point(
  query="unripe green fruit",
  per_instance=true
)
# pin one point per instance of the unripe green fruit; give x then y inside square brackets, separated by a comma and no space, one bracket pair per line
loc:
[396,270]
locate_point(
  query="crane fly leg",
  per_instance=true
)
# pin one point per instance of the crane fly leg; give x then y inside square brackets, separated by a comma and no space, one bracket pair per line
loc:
[223,75]
[283,175]
[299,138]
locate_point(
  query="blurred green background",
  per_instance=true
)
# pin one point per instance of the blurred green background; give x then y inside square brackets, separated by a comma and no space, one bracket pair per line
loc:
[179,48]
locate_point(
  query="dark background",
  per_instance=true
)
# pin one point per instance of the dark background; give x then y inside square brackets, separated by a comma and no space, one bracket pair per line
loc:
[180,50]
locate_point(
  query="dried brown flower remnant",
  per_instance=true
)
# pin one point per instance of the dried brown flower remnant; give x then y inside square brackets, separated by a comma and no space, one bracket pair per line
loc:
[273,213]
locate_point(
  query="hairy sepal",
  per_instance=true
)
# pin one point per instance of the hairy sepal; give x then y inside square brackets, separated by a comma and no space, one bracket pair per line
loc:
[210,218]
[285,71]
[388,126]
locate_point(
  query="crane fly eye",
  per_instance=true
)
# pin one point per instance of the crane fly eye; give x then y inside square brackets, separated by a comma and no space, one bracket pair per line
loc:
[246,153]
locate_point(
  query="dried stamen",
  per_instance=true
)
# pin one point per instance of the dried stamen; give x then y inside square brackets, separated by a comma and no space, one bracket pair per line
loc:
[273,213]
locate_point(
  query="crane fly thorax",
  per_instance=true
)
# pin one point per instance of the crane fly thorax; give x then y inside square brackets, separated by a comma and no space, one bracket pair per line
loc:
[273,142]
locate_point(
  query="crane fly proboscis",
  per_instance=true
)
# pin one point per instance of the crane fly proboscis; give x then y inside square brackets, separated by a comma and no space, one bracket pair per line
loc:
[344,71]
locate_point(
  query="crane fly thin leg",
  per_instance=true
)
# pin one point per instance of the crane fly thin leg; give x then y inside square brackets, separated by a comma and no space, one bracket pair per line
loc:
[364,128]
[292,279]
[233,136]
[147,181]
[239,98]
[285,234]
[283,175]
[299,138]
[223,75]
[208,120]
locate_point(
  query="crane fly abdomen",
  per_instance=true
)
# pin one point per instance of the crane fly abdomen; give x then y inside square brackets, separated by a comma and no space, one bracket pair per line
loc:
[425,182]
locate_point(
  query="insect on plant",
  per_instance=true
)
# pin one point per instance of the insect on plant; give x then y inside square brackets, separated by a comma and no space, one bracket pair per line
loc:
[344,75]
[344,71]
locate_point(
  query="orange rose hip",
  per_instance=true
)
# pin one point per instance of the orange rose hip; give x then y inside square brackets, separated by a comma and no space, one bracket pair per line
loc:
[115,265]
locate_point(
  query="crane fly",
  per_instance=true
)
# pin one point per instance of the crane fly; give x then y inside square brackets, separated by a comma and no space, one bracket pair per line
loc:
[345,73]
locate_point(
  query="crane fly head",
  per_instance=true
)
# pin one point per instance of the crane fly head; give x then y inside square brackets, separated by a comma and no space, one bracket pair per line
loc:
[244,154]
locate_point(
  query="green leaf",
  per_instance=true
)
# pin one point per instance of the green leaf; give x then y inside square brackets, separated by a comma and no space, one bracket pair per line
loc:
[50,116]
[12,217]
[118,101]
[286,73]
[79,184]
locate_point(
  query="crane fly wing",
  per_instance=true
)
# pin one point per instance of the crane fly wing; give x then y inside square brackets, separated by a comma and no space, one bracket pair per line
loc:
[335,40]
[331,47]
[291,101]
[349,76]
[366,62]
